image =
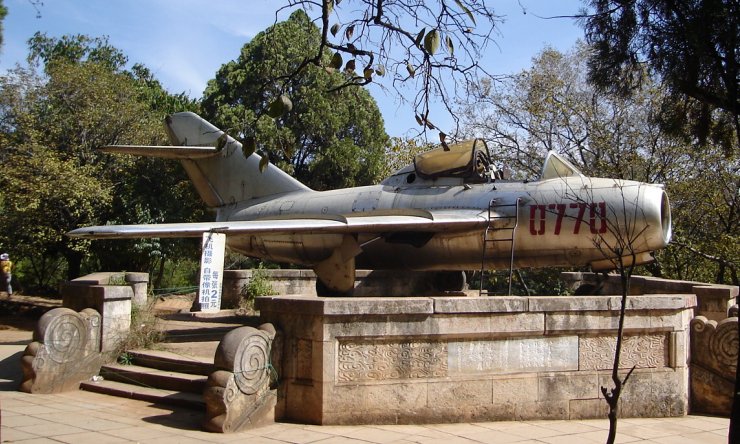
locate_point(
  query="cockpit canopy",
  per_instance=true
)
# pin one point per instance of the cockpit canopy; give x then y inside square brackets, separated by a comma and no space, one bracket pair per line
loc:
[557,167]
[469,160]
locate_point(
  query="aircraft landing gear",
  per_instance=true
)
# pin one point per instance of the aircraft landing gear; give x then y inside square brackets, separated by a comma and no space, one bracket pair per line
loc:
[449,281]
[427,283]
[324,291]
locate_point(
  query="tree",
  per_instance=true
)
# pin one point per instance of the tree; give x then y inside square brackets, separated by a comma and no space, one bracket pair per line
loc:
[691,45]
[706,210]
[74,49]
[432,47]
[401,152]
[326,138]
[55,179]
[553,107]
[3,13]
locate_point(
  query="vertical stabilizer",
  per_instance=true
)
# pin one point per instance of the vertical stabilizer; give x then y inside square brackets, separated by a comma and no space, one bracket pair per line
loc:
[227,176]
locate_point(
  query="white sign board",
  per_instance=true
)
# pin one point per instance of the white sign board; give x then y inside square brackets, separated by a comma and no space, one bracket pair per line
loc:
[211,271]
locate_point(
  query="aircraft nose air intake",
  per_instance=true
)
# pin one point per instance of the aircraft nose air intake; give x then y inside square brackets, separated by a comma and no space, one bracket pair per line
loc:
[657,209]
[665,217]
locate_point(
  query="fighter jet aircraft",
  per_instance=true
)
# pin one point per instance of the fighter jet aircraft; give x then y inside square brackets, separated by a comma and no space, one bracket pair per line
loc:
[450,210]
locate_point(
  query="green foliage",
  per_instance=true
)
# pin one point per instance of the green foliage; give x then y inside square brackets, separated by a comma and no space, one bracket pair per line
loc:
[3,13]
[309,124]
[179,273]
[258,285]
[54,177]
[75,49]
[40,276]
[125,358]
[536,281]
[706,212]
[691,45]
[400,152]
[117,279]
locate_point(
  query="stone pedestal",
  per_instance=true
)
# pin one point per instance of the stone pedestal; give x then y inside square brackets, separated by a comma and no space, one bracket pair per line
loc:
[451,359]
[113,302]
[714,301]
[139,283]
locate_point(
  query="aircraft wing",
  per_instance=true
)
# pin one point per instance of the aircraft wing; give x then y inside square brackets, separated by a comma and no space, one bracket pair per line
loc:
[373,222]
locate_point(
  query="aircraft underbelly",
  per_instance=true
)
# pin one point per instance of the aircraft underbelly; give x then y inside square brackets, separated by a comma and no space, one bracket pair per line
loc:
[290,248]
[464,251]
[443,251]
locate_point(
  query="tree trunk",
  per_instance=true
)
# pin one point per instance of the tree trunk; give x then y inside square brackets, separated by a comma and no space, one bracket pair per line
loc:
[157,281]
[74,264]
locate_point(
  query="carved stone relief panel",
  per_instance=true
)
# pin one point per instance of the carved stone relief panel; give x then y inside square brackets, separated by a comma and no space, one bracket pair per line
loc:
[640,351]
[380,360]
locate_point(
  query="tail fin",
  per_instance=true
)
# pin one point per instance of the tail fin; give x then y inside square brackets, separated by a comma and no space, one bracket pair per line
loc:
[219,171]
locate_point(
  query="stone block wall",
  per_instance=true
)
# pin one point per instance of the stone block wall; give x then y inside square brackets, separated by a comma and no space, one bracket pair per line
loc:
[713,300]
[287,282]
[448,359]
[283,282]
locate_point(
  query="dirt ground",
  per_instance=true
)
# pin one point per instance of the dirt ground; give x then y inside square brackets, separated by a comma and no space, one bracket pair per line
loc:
[21,312]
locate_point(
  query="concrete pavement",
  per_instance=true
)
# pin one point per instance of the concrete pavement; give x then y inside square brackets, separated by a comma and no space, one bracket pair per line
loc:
[83,417]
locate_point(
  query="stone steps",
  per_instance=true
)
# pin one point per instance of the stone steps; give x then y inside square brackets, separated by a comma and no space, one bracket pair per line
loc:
[153,395]
[154,378]
[203,334]
[177,362]
[175,373]
[157,376]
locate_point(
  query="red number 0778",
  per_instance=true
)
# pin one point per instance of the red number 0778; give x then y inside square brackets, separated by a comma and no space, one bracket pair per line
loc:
[596,217]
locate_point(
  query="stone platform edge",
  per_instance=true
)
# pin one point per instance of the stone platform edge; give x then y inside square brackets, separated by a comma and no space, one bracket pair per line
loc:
[374,360]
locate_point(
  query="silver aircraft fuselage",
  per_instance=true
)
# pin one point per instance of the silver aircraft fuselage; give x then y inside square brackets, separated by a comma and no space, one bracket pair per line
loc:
[571,221]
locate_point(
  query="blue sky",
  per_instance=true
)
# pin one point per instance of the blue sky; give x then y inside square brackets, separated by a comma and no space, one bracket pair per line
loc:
[184,42]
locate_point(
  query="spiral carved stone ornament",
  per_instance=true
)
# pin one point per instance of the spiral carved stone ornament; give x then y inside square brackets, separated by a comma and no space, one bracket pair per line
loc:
[251,367]
[723,344]
[238,393]
[715,344]
[64,334]
[246,352]
[65,351]
[714,350]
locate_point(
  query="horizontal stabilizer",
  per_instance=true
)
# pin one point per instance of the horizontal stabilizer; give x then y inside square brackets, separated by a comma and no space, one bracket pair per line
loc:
[164,152]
